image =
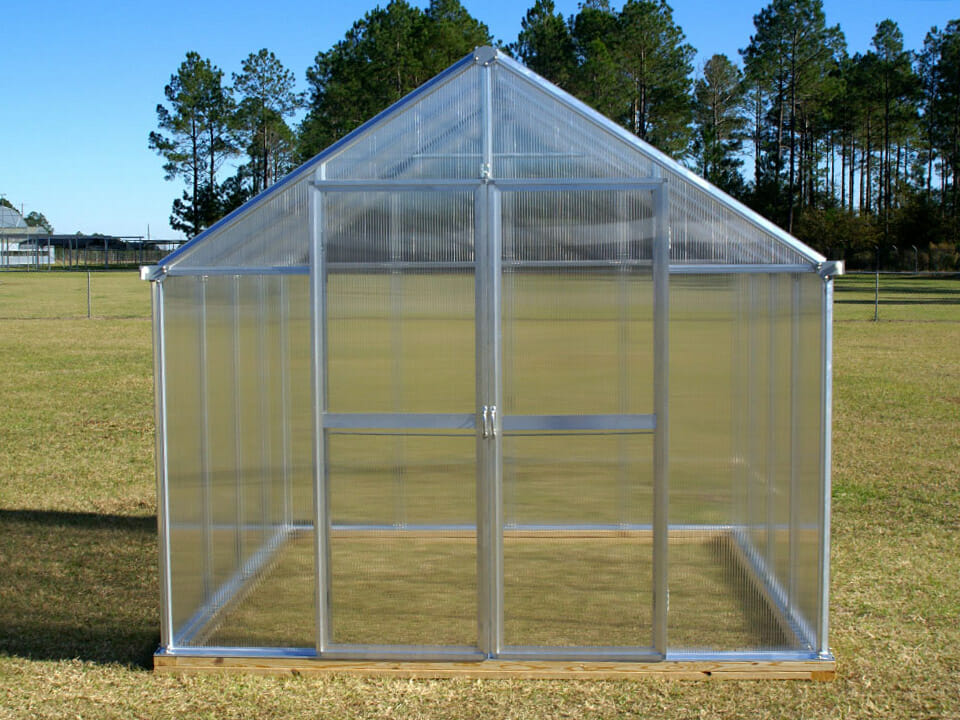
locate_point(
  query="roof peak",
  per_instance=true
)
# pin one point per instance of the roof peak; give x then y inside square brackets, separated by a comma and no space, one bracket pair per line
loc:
[485,55]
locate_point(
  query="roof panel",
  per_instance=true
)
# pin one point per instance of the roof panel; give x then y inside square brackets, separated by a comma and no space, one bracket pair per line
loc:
[538,131]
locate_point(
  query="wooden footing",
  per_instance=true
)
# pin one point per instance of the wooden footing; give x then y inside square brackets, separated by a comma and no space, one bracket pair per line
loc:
[786,670]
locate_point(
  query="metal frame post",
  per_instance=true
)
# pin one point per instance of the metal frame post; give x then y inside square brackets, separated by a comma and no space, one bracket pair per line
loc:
[488,281]
[163,483]
[661,401]
[826,409]
[321,490]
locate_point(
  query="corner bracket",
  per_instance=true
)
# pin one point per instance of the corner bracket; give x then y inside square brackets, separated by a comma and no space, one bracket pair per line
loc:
[830,268]
[153,272]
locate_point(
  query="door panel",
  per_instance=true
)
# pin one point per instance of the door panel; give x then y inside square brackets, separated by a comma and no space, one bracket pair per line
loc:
[577,373]
[399,439]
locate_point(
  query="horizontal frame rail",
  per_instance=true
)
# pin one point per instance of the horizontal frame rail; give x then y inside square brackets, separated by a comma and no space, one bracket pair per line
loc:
[579,422]
[722,269]
[399,421]
[468,421]
[177,270]
[467,265]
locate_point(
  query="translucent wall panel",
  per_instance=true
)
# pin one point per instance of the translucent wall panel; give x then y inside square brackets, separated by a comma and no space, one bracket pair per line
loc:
[536,134]
[403,545]
[184,439]
[273,232]
[577,313]
[269,598]
[231,361]
[577,324]
[702,344]
[400,338]
[577,552]
[223,500]
[808,503]
[438,136]
[400,302]
[714,601]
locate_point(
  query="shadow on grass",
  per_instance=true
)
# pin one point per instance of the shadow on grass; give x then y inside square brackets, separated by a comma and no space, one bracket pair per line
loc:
[78,585]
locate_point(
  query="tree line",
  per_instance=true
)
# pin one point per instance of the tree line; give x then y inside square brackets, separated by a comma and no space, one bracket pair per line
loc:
[858,155]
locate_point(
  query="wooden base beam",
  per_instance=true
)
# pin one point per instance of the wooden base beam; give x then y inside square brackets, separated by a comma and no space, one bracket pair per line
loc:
[734,670]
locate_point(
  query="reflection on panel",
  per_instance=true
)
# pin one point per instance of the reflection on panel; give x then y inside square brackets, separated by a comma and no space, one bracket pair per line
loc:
[577,540]
[403,544]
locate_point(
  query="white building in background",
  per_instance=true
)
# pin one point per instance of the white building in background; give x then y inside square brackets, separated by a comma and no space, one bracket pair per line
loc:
[18,242]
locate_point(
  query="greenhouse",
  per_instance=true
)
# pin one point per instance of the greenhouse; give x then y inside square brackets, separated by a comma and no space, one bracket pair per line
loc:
[490,386]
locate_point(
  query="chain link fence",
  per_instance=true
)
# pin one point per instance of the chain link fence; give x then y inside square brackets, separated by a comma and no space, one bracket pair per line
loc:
[63,294]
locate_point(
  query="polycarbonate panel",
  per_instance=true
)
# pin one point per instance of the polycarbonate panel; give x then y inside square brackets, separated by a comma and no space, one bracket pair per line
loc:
[538,135]
[757,471]
[577,308]
[256,358]
[184,440]
[702,345]
[220,381]
[400,302]
[539,132]
[252,427]
[438,136]
[779,430]
[713,603]
[735,457]
[297,387]
[577,545]
[403,540]
[809,501]
[272,232]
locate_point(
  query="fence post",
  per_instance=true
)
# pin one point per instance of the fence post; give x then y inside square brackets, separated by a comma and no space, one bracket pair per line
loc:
[876,297]
[876,288]
[88,294]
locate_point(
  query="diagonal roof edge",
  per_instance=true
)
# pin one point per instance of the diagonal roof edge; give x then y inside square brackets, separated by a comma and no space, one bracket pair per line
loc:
[604,123]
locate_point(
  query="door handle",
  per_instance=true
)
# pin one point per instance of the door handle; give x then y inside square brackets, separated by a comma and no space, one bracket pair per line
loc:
[488,421]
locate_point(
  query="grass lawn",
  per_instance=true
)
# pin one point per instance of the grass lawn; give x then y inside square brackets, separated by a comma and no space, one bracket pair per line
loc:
[78,588]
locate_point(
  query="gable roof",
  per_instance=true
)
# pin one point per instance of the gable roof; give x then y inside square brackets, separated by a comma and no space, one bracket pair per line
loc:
[535,130]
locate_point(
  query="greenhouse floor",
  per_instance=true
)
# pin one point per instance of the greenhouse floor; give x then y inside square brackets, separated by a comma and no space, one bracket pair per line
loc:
[563,588]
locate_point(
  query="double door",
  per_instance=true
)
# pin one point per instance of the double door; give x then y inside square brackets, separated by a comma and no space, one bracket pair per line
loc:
[491,435]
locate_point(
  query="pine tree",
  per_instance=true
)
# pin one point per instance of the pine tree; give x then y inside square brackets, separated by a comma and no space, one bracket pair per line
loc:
[720,123]
[545,44]
[790,56]
[267,98]
[385,55]
[194,139]
[658,64]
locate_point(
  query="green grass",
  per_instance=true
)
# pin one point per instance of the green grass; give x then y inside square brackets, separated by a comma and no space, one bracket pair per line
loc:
[78,591]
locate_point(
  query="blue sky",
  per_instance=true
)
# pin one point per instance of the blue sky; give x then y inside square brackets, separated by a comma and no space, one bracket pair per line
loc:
[79,82]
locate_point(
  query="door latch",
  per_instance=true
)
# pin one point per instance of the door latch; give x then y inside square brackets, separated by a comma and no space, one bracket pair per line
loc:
[488,421]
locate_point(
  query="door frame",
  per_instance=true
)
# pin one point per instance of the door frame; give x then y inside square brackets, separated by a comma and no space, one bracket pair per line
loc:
[488,426]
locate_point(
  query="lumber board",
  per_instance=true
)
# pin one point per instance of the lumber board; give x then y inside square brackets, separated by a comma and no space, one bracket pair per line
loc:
[820,670]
